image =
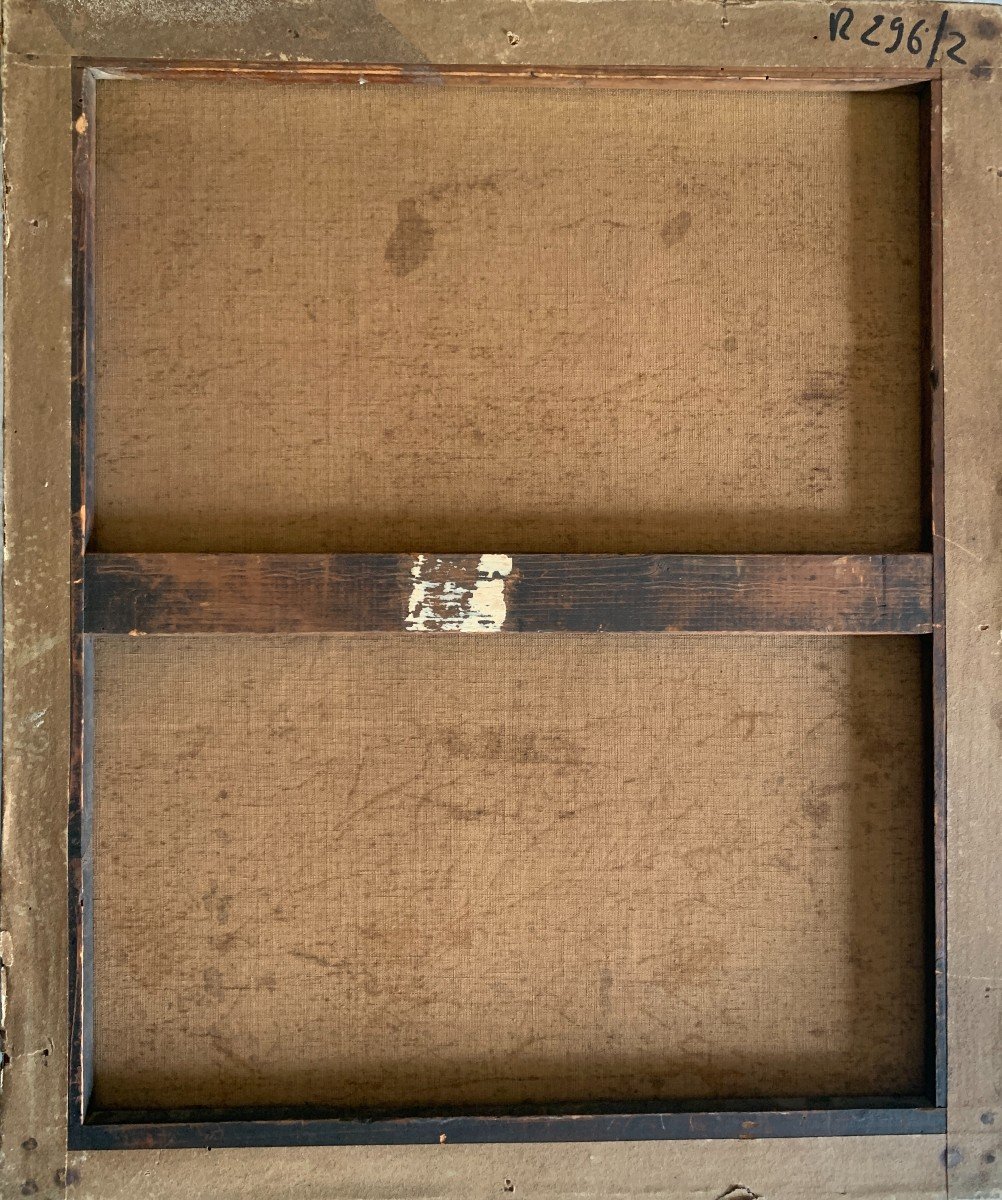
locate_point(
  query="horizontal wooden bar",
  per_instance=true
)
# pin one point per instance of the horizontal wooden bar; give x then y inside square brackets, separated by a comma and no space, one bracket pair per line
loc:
[516,75]
[527,593]
[102,1134]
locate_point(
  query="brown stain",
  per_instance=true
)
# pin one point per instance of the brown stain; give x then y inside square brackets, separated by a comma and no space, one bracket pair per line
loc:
[411,241]
[357,27]
[996,714]
[823,389]
[982,70]
[212,983]
[460,187]
[748,720]
[819,480]
[785,863]
[676,227]
[987,29]
[217,904]
[816,810]
[458,812]
[730,343]
[506,745]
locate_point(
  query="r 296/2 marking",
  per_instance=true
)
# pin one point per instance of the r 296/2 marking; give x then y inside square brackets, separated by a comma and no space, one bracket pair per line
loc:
[897,34]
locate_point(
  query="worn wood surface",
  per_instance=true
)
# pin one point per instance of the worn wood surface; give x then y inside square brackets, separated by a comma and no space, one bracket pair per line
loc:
[315,593]
[493,592]
[512,75]
[41,39]
[934,520]
[121,1131]
[80,521]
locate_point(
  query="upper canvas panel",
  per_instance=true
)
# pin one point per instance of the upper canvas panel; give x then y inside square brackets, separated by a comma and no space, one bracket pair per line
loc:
[336,318]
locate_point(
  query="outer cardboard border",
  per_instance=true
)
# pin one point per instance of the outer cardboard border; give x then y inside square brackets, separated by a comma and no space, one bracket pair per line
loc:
[41,37]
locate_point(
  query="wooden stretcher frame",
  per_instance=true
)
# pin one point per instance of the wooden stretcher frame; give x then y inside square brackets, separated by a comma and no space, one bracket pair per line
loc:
[138,594]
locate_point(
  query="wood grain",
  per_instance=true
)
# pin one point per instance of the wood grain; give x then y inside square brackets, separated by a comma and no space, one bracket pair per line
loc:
[79,1079]
[159,1130]
[323,593]
[178,593]
[517,75]
[935,517]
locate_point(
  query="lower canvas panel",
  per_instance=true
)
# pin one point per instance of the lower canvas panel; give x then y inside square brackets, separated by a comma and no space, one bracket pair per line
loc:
[451,870]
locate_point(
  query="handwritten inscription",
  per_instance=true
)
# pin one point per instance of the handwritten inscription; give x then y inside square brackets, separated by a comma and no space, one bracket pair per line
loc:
[896,35]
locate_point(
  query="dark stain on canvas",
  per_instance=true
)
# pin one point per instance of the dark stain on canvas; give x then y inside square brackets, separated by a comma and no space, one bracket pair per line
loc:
[411,240]
[815,809]
[676,227]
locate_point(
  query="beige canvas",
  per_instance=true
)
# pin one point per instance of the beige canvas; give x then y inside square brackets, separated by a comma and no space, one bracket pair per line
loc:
[467,319]
[406,871]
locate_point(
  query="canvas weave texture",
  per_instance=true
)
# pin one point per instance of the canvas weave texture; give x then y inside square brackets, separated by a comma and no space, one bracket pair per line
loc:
[404,870]
[487,319]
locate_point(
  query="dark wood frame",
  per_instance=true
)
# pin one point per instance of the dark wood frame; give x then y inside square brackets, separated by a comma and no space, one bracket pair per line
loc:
[186,593]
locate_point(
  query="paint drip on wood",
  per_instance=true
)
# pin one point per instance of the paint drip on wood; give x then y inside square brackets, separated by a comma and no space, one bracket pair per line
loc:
[458,594]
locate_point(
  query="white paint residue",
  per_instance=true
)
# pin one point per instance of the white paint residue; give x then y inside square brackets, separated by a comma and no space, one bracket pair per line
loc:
[446,596]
